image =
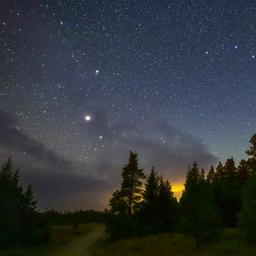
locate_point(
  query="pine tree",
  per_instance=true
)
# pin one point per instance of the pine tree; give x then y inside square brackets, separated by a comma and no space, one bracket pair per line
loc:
[148,211]
[131,187]
[247,216]
[125,201]
[243,170]
[211,176]
[10,205]
[18,216]
[219,171]
[159,208]
[199,214]
[231,195]
[167,206]
[251,152]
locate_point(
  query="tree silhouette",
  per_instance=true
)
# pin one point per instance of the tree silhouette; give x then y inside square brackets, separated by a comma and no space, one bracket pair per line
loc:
[18,216]
[199,214]
[131,187]
[125,201]
[211,176]
[247,216]
[251,152]
[167,206]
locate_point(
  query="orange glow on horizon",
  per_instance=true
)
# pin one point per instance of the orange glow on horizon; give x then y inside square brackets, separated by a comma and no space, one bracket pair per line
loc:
[177,189]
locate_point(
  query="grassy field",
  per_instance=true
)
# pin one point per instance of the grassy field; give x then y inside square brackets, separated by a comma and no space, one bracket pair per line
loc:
[174,245]
[62,239]
[90,240]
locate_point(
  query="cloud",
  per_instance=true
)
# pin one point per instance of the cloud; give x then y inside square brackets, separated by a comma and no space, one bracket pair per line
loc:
[159,145]
[13,138]
[62,184]
[57,182]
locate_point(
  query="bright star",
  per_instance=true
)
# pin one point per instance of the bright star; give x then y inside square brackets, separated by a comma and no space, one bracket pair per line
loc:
[88,118]
[97,72]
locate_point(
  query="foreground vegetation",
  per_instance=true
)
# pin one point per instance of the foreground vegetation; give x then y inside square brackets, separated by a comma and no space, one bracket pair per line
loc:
[143,212]
[230,243]
[223,197]
[61,238]
[65,241]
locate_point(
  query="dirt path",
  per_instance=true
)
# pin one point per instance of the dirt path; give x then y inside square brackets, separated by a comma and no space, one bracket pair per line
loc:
[81,246]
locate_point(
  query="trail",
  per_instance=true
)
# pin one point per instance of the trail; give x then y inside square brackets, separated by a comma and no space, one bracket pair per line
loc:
[81,246]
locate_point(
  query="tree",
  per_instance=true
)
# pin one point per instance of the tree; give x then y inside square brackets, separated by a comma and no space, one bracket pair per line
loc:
[131,187]
[231,193]
[251,152]
[19,222]
[10,202]
[211,176]
[148,211]
[199,214]
[159,208]
[125,201]
[247,216]
[167,206]
[243,170]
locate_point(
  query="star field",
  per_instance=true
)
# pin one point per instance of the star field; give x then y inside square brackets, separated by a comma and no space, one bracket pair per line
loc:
[90,79]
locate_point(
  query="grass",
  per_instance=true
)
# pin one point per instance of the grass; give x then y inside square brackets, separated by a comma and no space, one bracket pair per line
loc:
[174,245]
[67,242]
[60,236]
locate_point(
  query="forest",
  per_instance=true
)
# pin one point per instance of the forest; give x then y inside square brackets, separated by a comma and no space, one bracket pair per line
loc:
[213,200]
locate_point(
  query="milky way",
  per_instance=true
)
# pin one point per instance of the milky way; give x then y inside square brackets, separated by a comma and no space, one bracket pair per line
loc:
[84,82]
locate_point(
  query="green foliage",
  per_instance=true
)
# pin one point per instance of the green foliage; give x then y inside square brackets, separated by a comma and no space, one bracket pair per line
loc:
[247,216]
[199,214]
[174,245]
[159,208]
[251,152]
[124,202]
[131,187]
[19,221]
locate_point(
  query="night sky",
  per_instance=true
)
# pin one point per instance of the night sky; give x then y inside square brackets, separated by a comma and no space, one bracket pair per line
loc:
[84,82]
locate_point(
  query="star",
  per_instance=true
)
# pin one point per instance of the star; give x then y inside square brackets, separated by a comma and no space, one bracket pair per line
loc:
[97,72]
[88,118]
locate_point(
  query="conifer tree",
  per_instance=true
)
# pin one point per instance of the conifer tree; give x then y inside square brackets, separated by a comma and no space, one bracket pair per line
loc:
[211,175]
[18,216]
[199,214]
[251,152]
[167,206]
[125,201]
[243,170]
[247,216]
[131,187]
[148,212]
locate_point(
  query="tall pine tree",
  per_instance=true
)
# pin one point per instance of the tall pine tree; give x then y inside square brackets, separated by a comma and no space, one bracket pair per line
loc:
[198,211]
[125,201]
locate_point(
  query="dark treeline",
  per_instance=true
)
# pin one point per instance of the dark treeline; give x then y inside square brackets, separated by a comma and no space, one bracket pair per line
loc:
[74,218]
[21,223]
[224,197]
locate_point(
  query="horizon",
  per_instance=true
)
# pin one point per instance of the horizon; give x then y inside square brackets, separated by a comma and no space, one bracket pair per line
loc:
[82,84]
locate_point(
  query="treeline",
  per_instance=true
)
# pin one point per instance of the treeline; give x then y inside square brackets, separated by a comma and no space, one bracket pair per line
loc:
[21,223]
[74,218]
[224,197]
